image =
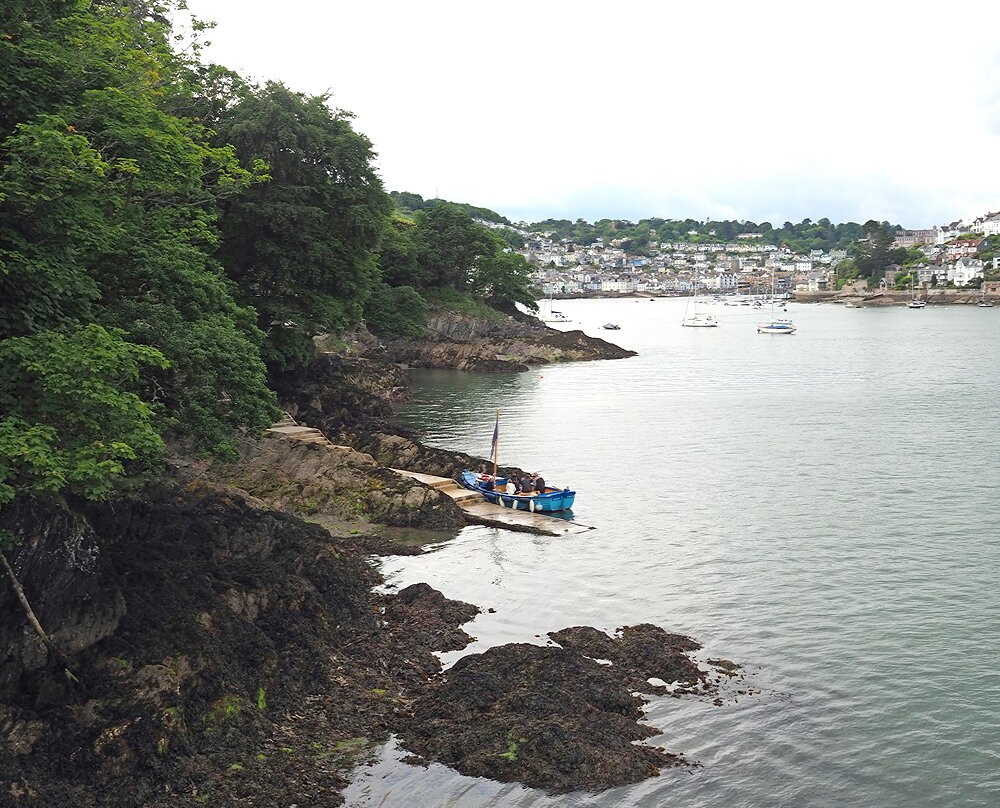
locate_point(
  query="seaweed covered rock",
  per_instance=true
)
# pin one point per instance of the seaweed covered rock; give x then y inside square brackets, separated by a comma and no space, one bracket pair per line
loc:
[557,718]
[247,661]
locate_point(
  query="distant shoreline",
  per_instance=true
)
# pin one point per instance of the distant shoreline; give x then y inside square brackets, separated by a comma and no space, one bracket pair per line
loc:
[945,297]
[894,297]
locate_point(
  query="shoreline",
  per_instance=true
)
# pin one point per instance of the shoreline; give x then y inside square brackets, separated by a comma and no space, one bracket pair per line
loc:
[237,647]
[894,297]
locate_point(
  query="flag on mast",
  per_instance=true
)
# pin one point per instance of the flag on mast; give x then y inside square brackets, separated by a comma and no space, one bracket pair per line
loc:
[496,437]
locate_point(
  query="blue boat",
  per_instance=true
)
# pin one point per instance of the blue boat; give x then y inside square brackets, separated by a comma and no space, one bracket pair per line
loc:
[549,500]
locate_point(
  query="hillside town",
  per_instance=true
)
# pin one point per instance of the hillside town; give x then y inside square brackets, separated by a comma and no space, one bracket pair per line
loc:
[953,255]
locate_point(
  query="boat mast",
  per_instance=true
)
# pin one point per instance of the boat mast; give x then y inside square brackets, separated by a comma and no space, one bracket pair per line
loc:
[496,447]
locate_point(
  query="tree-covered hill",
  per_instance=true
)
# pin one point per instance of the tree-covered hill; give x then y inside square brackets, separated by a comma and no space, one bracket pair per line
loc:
[802,237]
[411,203]
[170,232]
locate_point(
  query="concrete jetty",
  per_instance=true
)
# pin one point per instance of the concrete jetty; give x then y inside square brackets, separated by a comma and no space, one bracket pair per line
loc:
[486,513]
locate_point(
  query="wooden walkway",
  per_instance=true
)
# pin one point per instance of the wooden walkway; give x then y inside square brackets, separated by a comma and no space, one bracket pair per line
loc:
[472,503]
[486,513]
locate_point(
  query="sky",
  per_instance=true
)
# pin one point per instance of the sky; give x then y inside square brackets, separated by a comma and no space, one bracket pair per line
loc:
[768,111]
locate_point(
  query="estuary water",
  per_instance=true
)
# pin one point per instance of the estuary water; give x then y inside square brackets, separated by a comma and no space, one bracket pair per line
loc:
[820,508]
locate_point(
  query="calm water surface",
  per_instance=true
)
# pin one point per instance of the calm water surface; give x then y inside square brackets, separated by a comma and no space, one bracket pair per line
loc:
[820,508]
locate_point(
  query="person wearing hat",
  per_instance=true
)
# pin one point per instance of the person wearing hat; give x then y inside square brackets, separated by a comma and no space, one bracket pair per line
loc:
[539,484]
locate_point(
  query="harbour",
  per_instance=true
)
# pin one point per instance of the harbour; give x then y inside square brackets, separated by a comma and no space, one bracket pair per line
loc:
[817,508]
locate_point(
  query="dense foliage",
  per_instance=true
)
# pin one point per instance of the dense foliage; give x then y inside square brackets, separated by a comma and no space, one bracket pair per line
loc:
[168,230]
[300,247]
[110,296]
[411,203]
[874,251]
[802,237]
[443,247]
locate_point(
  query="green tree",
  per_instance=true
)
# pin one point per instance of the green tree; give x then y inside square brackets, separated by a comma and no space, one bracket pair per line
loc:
[72,418]
[397,260]
[301,247]
[874,251]
[108,210]
[503,279]
[396,311]
[447,245]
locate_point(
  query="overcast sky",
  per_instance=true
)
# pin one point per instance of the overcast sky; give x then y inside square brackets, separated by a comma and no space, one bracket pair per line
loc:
[765,111]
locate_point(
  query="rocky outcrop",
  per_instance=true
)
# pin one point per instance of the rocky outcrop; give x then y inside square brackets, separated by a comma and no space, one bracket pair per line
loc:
[462,342]
[59,562]
[224,654]
[335,484]
[865,298]
[350,400]
[558,718]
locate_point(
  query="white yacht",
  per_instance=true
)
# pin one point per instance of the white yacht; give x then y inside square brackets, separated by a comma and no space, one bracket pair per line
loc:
[700,320]
[697,319]
[776,325]
[547,314]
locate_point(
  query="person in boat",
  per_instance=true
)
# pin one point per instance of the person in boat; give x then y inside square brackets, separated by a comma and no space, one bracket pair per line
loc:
[527,484]
[487,482]
[511,485]
[539,484]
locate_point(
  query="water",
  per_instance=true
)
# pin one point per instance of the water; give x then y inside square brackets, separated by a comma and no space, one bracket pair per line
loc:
[819,507]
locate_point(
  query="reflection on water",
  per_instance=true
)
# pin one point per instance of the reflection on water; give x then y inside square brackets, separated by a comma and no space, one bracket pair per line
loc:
[819,507]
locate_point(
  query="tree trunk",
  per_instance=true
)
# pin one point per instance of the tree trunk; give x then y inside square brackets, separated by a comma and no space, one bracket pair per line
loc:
[59,656]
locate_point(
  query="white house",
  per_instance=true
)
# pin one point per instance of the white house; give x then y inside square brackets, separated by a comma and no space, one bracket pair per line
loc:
[991,225]
[618,285]
[965,270]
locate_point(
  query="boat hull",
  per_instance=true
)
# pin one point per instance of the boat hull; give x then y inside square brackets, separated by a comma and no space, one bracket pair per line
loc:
[552,500]
[776,328]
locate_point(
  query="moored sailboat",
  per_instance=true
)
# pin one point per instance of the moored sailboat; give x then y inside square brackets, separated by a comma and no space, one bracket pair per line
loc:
[776,325]
[916,301]
[698,319]
[983,302]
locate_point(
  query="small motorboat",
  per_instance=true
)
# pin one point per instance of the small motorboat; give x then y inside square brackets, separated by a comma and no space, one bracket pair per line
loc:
[777,326]
[985,304]
[611,327]
[700,320]
[551,499]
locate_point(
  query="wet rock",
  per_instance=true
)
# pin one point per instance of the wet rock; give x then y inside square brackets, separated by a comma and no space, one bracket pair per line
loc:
[459,341]
[553,717]
[250,664]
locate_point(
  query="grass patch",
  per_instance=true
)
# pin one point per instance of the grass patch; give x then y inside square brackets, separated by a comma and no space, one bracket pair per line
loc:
[453,300]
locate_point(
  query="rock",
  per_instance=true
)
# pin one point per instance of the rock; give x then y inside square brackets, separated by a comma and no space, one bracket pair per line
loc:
[250,658]
[462,342]
[550,717]
[58,562]
[335,484]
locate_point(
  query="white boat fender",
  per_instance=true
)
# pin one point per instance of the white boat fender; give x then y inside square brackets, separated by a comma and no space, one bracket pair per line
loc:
[531,505]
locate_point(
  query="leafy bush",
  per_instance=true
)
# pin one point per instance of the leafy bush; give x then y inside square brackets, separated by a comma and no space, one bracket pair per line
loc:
[396,311]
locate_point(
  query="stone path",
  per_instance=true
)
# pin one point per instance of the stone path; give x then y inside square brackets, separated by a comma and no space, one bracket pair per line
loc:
[288,427]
